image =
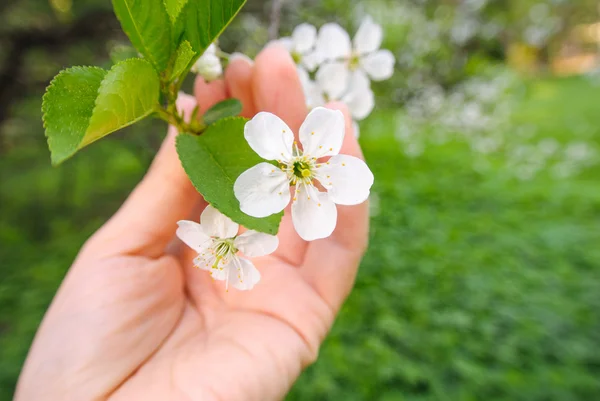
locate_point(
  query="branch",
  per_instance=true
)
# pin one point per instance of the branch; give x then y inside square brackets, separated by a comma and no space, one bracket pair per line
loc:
[275,19]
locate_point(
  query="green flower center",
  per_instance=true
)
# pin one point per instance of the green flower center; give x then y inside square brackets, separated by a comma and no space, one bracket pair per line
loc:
[297,57]
[223,249]
[354,62]
[302,169]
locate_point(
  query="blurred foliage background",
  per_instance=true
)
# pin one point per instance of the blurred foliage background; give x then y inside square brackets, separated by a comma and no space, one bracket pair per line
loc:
[482,280]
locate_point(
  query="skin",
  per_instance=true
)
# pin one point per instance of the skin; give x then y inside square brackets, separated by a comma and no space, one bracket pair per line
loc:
[133,320]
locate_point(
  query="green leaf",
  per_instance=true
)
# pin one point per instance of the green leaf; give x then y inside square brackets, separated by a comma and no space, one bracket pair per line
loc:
[174,7]
[202,21]
[148,26]
[214,160]
[67,108]
[184,55]
[129,92]
[221,110]
[83,104]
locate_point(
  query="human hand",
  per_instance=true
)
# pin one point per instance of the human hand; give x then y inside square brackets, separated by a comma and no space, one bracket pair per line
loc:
[133,320]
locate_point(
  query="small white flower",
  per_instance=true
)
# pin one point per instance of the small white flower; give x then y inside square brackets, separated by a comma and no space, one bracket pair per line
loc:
[209,65]
[302,46]
[217,243]
[265,188]
[344,57]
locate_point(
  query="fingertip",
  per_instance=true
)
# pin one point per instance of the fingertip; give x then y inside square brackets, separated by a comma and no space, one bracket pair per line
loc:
[238,80]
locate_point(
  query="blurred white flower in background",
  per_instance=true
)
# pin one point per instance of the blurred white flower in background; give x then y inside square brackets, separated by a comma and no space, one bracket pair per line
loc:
[209,65]
[479,112]
[343,69]
[302,47]
[343,57]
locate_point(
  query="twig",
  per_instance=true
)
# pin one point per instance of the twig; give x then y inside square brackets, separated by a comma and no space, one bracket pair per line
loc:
[275,19]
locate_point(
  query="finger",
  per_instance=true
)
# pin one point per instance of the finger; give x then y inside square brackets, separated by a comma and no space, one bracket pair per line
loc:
[331,264]
[238,81]
[277,89]
[209,93]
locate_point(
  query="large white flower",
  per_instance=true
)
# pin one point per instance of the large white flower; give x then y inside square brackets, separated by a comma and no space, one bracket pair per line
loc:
[344,57]
[265,189]
[209,65]
[217,243]
[302,46]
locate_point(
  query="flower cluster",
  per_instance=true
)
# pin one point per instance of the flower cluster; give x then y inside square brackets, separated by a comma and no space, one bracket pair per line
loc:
[332,67]
[481,113]
[209,64]
[266,189]
[216,241]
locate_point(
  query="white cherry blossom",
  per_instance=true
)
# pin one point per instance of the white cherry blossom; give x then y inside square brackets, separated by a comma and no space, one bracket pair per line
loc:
[344,57]
[209,65]
[216,241]
[266,189]
[302,47]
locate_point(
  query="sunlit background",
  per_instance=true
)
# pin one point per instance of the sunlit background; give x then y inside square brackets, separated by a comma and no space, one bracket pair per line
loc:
[482,281]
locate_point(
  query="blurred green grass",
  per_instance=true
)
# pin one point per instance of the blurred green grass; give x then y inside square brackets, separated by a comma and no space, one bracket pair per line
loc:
[474,287]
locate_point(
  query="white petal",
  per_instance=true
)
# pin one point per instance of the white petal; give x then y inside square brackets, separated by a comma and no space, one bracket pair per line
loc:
[356,129]
[322,133]
[208,67]
[212,49]
[313,213]
[262,190]
[360,98]
[334,42]
[254,244]
[333,78]
[269,136]
[304,38]
[347,179]
[303,76]
[312,60]
[205,261]
[243,275]
[287,43]
[368,37]
[313,95]
[379,65]
[193,235]
[216,224]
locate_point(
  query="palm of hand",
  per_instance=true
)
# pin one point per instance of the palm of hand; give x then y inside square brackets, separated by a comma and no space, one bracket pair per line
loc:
[134,320]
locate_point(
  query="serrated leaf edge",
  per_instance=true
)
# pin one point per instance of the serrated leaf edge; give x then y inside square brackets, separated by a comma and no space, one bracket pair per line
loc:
[140,118]
[45,103]
[174,18]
